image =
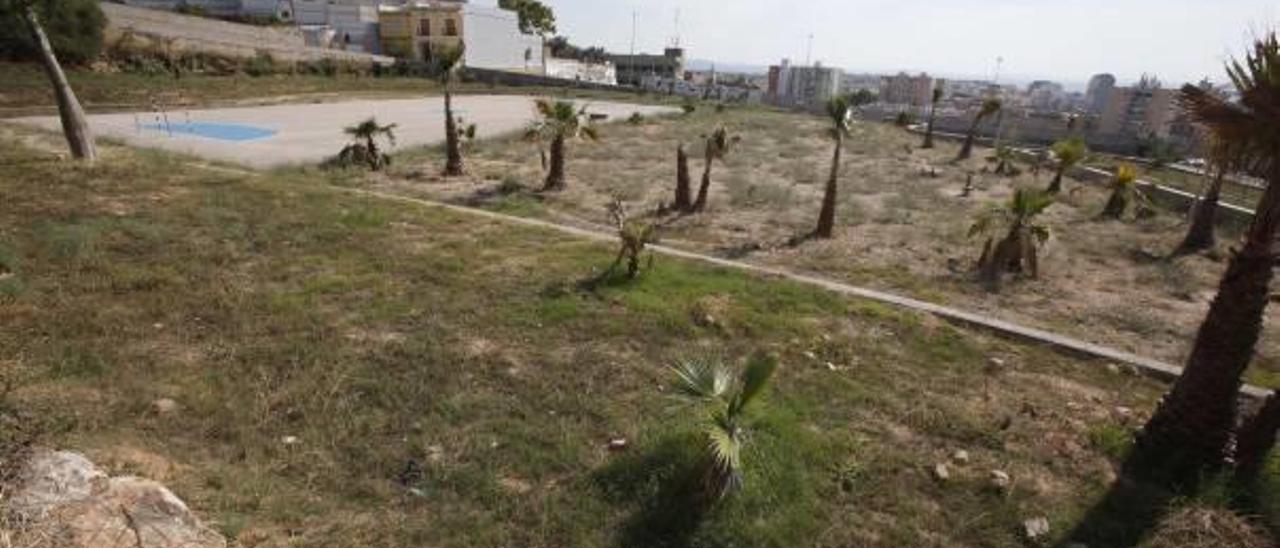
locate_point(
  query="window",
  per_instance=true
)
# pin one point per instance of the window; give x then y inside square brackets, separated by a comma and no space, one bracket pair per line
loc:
[450,27]
[424,27]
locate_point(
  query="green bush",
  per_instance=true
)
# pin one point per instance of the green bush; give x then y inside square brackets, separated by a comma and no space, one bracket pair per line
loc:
[74,28]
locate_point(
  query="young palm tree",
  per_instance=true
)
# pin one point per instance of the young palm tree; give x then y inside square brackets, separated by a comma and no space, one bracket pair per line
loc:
[717,147]
[684,188]
[1193,428]
[75,126]
[1004,160]
[365,148]
[633,237]
[1016,252]
[1066,154]
[446,63]
[933,115]
[560,121]
[840,114]
[1124,191]
[724,401]
[989,107]
[1200,234]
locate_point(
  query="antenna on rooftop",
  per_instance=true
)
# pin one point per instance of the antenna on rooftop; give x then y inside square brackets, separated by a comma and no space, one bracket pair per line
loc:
[808,56]
[675,43]
[633,33]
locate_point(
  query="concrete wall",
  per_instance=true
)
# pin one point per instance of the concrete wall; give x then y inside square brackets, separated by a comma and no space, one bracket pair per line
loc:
[494,41]
[520,79]
[570,69]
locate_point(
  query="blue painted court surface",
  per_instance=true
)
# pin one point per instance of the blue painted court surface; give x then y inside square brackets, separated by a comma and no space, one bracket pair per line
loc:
[214,130]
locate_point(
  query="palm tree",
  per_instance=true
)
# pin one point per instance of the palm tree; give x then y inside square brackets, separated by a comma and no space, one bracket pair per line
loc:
[840,114]
[1016,252]
[989,107]
[684,199]
[1193,428]
[1200,234]
[1004,160]
[75,126]
[446,63]
[560,121]
[717,147]
[365,148]
[1124,191]
[633,238]
[1066,153]
[724,402]
[933,115]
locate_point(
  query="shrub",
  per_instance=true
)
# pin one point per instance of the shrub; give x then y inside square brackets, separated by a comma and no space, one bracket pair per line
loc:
[74,28]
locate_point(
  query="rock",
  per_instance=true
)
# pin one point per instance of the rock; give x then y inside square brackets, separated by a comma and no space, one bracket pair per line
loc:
[290,440]
[63,496]
[1000,480]
[1113,369]
[1036,528]
[1124,413]
[960,456]
[941,472]
[164,406]
[618,444]
[809,354]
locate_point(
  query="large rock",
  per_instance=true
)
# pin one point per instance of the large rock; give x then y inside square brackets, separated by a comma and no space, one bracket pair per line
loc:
[64,497]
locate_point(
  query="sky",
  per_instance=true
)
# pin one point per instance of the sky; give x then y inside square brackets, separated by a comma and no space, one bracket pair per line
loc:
[1063,40]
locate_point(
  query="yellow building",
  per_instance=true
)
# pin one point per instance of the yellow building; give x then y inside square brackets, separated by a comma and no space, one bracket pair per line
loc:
[416,29]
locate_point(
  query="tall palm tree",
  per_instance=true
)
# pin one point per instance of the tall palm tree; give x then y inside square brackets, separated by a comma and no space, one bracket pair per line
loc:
[840,115]
[1016,252]
[717,147]
[684,199]
[1200,233]
[75,126]
[724,400]
[1066,154]
[989,107]
[559,121]
[1193,428]
[365,149]
[933,116]
[445,63]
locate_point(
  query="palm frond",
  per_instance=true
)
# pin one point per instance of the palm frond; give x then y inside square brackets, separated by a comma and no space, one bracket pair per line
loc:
[700,379]
[754,380]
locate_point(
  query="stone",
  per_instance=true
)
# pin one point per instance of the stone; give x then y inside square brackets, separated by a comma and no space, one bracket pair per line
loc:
[164,406]
[960,456]
[1036,528]
[1113,369]
[62,495]
[290,440]
[618,444]
[1000,479]
[941,472]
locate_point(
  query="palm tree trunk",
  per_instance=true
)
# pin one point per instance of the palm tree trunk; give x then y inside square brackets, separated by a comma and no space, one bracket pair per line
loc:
[1116,205]
[555,176]
[375,162]
[966,149]
[827,216]
[1055,186]
[75,127]
[1193,427]
[701,203]
[683,186]
[1200,234]
[928,131]
[1257,437]
[453,166]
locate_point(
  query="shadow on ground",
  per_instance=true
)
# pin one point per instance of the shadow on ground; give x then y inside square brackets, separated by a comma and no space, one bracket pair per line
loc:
[659,487]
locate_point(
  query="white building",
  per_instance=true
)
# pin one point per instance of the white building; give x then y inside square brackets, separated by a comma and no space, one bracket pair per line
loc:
[804,86]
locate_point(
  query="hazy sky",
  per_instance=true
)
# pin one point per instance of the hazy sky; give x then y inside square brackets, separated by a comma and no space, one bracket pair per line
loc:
[1178,40]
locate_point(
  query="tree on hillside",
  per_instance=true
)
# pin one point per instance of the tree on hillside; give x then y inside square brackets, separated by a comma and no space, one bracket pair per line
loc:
[840,116]
[445,64]
[75,126]
[1193,430]
[1066,154]
[989,107]
[1016,252]
[535,17]
[717,146]
[559,121]
[74,29]
[933,115]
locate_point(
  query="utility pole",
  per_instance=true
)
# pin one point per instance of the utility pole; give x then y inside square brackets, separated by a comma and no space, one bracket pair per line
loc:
[634,69]
[808,56]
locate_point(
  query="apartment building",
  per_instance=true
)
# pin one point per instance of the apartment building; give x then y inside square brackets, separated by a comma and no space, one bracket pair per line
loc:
[490,36]
[806,87]
[904,89]
[1141,110]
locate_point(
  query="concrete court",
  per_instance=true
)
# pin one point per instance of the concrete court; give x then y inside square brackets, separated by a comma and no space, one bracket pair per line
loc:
[309,133]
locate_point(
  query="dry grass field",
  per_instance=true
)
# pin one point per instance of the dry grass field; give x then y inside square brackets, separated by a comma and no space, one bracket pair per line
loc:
[902,222]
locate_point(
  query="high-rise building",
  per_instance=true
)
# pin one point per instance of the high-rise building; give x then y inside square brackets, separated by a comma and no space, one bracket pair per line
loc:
[905,89]
[1098,92]
[804,86]
[1142,110]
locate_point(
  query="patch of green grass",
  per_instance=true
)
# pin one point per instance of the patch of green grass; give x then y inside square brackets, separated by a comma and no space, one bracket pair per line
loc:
[1111,439]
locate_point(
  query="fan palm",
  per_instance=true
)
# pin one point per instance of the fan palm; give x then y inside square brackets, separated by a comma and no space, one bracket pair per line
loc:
[718,144]
[1017,251]
[684,199]
[840,115]
[445,63]
[1004,160]
[1193,428]
[633,237]
[1124,191]
[1066,154]
[365,148]
[75,125]
[559,121]
[933,115]
[989,107]
[724,401]
[1200,234]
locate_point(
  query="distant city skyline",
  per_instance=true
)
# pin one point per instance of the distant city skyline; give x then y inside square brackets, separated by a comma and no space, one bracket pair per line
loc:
[1176,40]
